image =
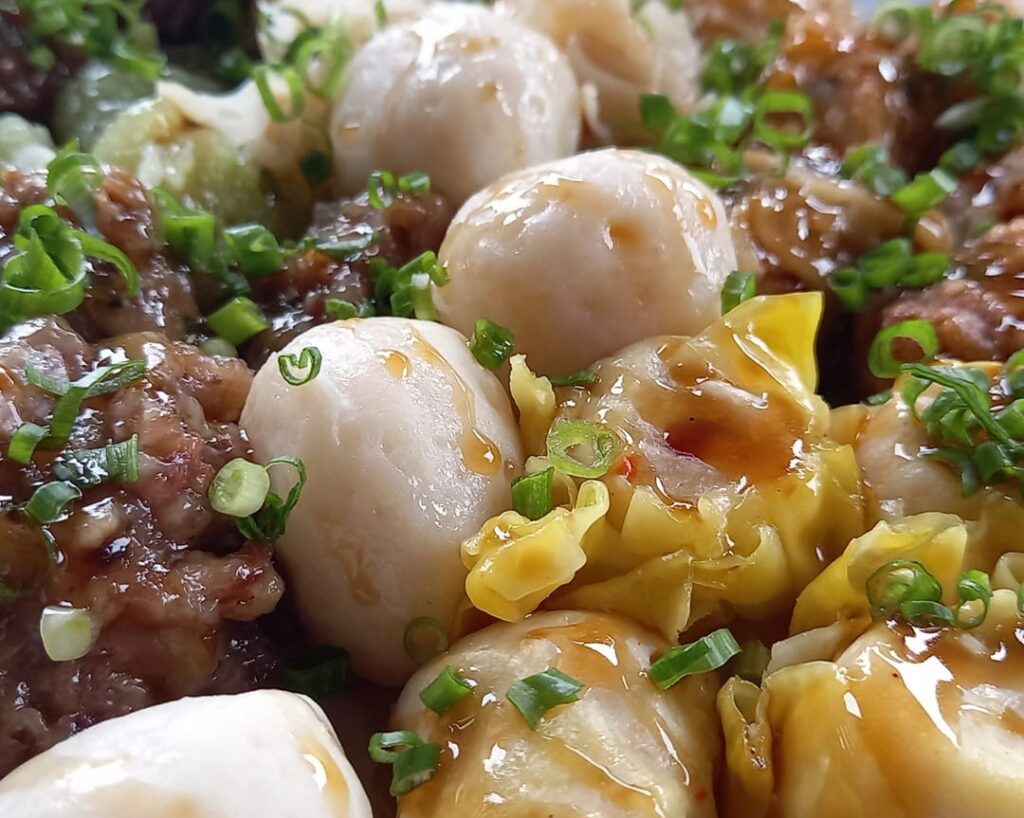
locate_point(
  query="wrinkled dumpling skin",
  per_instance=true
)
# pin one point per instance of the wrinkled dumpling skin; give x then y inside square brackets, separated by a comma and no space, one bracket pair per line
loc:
[583,256]
[619,54]
[409,444]
[409,95]
[266,754]
[913,723]
[287,19]
[625,748]
[727,496]
[899,480]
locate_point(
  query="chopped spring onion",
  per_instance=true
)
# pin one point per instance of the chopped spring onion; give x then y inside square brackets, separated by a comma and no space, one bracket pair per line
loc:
[24,441]
[531,495]
[90,467]
[656,111]
[850,288]
[269,522]
[414,761]
[238,321]
[752,661]
[960,158]
[887,263]
[263,75]
[72,178]
[535,695]
[386,747]
[319,56]
[425,638]
[67,633]
[585,377]
[897,583]
[343,310]
[101,381]
[927,614]
[240,488]
[300,370]
[447,690]
[254,249]
[566,436]
[491,344]
[192,234]
[383,187]
[320,673]
[315,166]
[925,191]
[406,291]
[789,104]
[869,165]
[219,347]
[730,66]
[883,363]
[49,502]
[706,654]
[973,587]
[739,287]
[414,767]
[380,13]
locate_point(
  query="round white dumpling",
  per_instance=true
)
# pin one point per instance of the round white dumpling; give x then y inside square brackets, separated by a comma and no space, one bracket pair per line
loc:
[284,20]
[584,256]
[409,445]
[266,754]
[619,50]
[460,94]
[625,749]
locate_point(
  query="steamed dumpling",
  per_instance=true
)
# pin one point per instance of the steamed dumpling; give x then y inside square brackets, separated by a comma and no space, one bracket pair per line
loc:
[266,754]
[900,479]
[625,748]
[917,724]
[619,53]
[284,20]
[409,445]
[724,494]
[586,255]
[460,94]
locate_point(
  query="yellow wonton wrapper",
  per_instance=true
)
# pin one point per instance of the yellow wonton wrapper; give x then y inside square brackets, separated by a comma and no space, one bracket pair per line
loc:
[916,723]
[901,481]
[727,496]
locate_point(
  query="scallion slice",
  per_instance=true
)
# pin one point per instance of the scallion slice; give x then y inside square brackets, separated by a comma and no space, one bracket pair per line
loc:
[924,192]
[585,377]
[238,320]
[706,654]
[531,495]
[67,633]
[535,695]
[424,638]
[447,690]
[784,103]
[883,363]
[240,488]
[300,370]
[973,587]
[24,441]
[566,436]
[90,467]
[898,582]
[414,762]
[254,249]
[73,177]
[850,288]
[50,501]
[491,344]
[739,287]
[320,673]
[263,76]
[381,189]
[269,522]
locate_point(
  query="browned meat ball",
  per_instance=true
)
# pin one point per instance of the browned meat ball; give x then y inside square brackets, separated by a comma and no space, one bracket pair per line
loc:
[27,89]
[125,217]
[295,298]
[169,581]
